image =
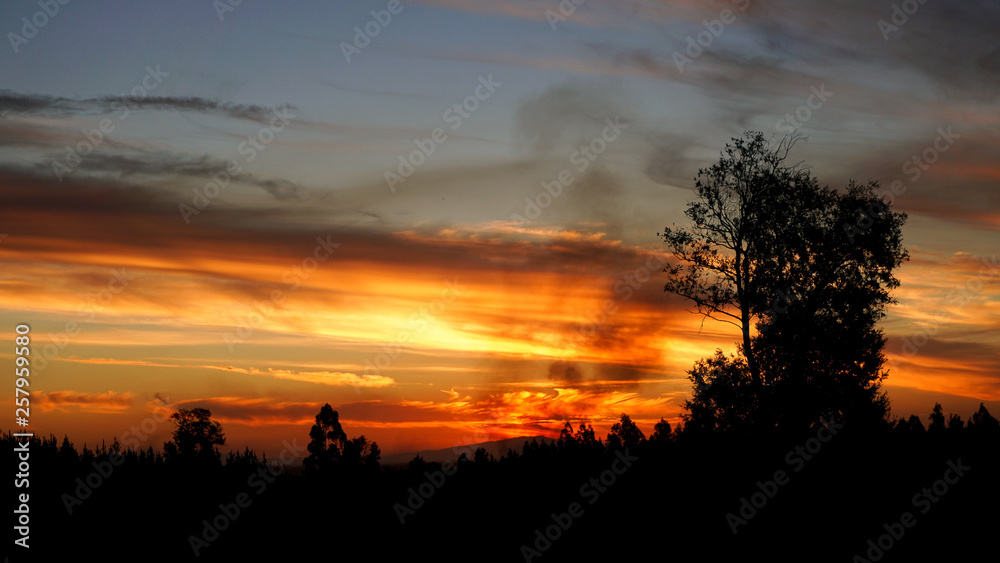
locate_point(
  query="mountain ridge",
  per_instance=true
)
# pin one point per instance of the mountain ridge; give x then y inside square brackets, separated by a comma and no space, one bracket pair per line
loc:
[495,447]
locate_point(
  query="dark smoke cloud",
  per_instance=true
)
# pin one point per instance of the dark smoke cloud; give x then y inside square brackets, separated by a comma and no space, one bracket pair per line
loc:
[565,372]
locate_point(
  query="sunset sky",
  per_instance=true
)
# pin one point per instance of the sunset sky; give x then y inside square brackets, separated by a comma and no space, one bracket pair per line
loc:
[427,301]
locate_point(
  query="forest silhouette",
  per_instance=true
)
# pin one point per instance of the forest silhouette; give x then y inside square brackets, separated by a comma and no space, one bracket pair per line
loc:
[786,450]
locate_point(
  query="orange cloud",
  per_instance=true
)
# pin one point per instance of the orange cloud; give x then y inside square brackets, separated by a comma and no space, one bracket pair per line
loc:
[106,402]
[324,377]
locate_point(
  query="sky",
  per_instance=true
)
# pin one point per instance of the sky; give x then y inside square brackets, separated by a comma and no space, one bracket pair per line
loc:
[441,216]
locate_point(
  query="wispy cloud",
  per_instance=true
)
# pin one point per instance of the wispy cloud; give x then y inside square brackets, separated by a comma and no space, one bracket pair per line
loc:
[333,378]
[43,104]
[106,402]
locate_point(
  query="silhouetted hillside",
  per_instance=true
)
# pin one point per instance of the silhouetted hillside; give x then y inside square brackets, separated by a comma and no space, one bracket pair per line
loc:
[496,448]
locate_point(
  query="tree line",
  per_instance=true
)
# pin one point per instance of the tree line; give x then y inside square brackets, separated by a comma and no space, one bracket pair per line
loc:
[196,440]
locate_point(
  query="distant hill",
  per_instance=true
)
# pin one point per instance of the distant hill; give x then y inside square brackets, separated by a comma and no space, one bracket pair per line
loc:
[497,448]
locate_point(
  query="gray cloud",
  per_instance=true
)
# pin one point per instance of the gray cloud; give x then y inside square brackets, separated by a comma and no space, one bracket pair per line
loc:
[42,104]
[568,112]
[565,372]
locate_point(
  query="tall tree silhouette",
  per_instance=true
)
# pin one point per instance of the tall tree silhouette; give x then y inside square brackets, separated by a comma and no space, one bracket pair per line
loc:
[625,434]
[721,252]
[196,436]
[984,422]
[937,419]
[326,441]
[823,350]
[330,449]
[810,268]
[662,433]
[360,453]
[585,438]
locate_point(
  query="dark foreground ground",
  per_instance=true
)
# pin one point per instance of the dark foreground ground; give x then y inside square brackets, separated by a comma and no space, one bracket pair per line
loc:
[920,497]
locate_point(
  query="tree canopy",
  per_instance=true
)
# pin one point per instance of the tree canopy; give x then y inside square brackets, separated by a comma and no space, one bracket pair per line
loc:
[330,448]
[809,267]
[625,434]
[196,436]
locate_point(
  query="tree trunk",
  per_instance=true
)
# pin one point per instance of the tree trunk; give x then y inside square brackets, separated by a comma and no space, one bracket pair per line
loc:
[742,277]
[748,352]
